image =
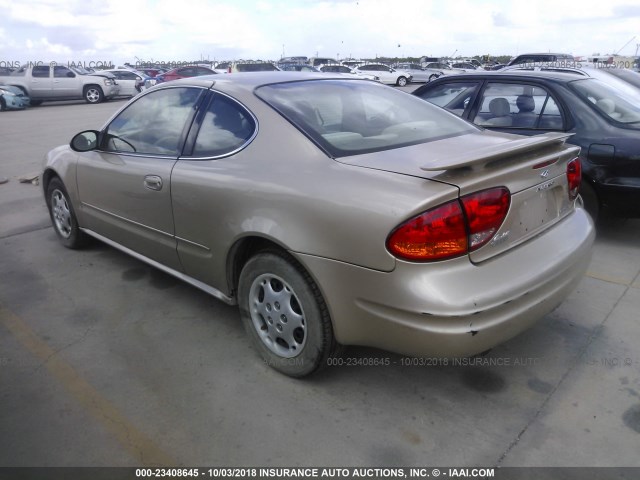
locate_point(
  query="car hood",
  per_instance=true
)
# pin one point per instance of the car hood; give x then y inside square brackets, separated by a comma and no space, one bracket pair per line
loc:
[12,89]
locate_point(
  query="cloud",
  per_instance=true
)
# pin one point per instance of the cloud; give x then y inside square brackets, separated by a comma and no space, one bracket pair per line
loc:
[123,30]
[500,20]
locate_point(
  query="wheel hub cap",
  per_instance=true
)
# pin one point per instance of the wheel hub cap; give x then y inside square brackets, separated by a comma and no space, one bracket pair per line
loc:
[277,316]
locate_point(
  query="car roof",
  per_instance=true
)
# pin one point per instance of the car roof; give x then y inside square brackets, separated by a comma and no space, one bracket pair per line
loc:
[250,80]
[514,75]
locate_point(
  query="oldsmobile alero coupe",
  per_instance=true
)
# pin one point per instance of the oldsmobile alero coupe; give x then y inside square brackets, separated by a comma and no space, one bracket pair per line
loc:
[333,210]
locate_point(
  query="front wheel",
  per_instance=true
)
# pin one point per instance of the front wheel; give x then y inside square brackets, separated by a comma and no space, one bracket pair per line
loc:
[285,315]
[402,81]
[63,216]
[93,94]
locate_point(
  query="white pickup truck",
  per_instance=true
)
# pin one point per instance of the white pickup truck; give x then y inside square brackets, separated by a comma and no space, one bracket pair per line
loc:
[58,82]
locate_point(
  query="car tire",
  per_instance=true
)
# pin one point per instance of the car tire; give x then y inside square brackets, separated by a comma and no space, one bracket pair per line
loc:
[35,103]
[590,200]
[3,105]
[93,94]
[401,82]
[63,217]
[285,315]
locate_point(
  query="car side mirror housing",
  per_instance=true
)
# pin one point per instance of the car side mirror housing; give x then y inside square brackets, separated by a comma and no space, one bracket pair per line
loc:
[85,141]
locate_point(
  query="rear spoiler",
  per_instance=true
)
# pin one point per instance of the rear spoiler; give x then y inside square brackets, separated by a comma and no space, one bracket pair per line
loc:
[480,157]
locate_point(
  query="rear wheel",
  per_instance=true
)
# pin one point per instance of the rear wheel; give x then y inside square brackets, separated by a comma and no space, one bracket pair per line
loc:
[3,105]
[285,315]
[63,216]
[93,94]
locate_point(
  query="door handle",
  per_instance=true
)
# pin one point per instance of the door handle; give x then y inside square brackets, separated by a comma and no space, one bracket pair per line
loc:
[153,182]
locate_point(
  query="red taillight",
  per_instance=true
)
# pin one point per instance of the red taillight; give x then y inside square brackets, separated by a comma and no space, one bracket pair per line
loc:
[574,177]
[485,211]
[452,229]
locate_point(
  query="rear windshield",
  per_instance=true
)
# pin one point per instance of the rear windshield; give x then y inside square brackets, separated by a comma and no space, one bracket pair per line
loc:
[609,101]
[348,117]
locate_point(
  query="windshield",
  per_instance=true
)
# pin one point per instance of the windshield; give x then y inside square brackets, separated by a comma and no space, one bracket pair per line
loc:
[348,117]
[609,101]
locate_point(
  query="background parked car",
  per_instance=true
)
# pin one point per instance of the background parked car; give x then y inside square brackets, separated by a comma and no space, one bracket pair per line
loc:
[623,80]
[252,66]
[12,98]
[419,74]
[296,67]
[387,74]
[533,58]
[443,67]
[466,66]
[152,72]
[131,82]
[604,122]
[183,72]
[347,69]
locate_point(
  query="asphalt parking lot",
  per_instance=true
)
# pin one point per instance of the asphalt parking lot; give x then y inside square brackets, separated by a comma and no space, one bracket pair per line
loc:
[105,361]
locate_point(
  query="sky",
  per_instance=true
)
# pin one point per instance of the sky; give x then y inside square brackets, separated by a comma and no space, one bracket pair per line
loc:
[119,31]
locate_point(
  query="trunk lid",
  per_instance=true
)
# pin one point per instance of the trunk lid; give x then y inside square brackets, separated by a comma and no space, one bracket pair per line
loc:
[532,168]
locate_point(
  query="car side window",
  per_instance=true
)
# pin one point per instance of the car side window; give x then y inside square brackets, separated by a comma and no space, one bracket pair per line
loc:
[454,96]
[515,105]
[153,124]
[40,71]
[62,72]
[226,127]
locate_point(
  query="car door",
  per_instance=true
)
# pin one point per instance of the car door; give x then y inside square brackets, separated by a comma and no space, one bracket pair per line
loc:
[124,186]
[41,82]
[127,81]
[518,107]
[65,83]
[201,181]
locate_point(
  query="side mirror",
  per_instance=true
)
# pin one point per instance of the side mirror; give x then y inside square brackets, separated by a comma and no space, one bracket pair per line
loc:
[85,141]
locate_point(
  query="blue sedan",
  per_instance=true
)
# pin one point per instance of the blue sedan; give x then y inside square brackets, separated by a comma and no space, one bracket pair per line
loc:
[12,98]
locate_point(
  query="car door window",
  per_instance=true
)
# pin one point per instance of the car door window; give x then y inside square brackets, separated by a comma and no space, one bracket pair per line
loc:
[153,124]
[40,71]
[226,127]
[62,72]
[515,105]
[454,96]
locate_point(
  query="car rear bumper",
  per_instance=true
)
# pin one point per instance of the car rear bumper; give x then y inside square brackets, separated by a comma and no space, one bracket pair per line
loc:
[455,308]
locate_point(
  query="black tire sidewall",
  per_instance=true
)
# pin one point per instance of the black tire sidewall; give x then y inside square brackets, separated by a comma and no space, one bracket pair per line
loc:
[319,334]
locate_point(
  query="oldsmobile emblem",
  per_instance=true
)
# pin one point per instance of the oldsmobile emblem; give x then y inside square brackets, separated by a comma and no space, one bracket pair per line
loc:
[544,173]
